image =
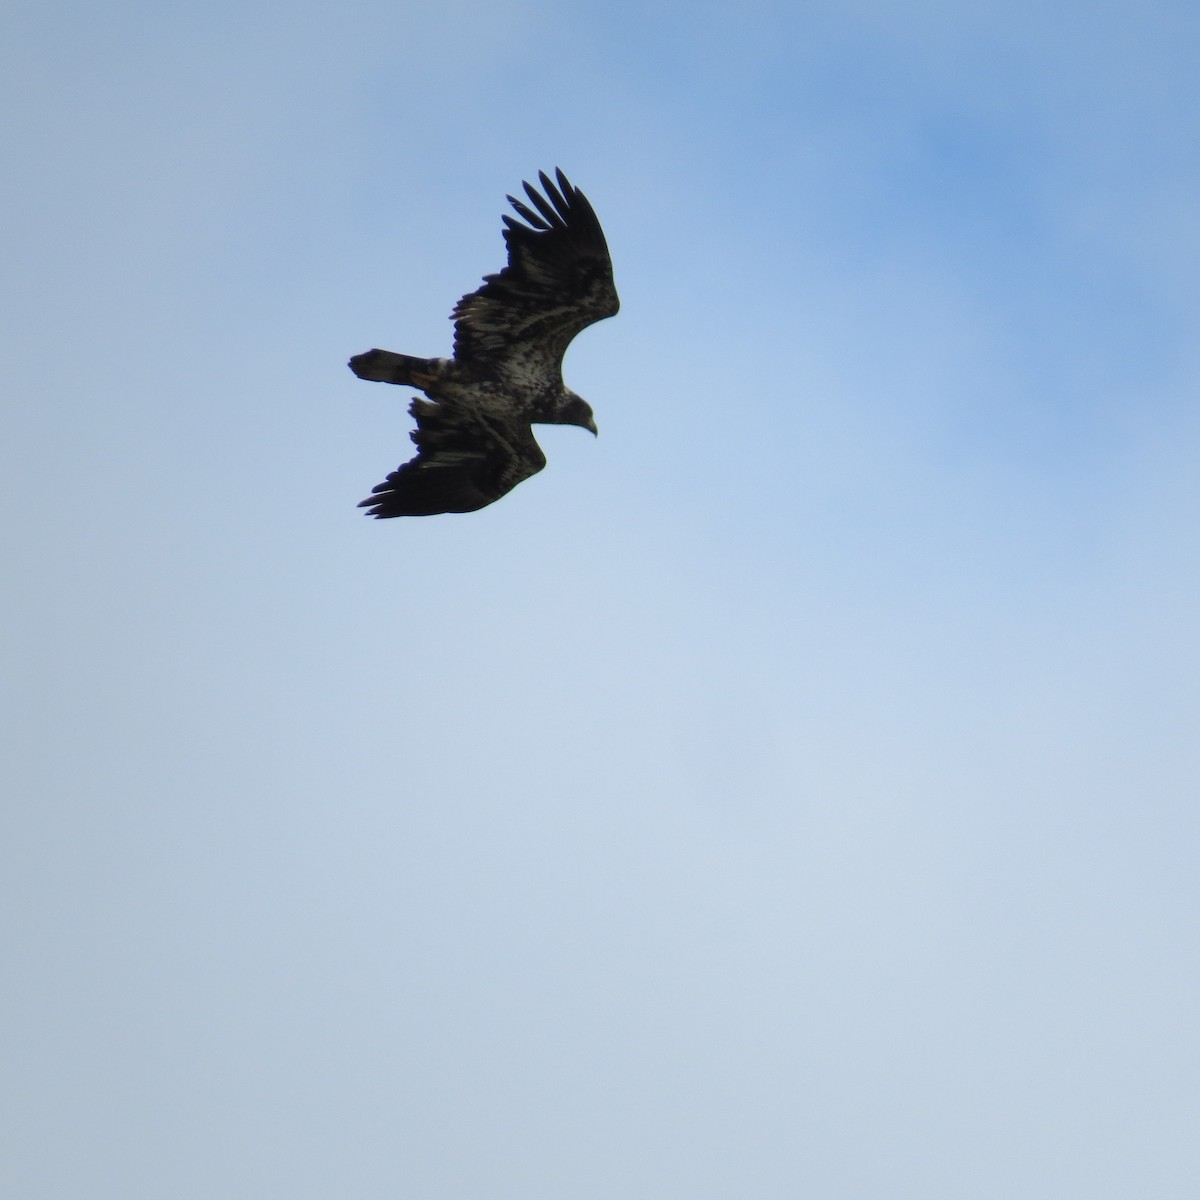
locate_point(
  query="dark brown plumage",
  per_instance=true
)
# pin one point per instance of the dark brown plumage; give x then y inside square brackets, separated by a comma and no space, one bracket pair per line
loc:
[474,437]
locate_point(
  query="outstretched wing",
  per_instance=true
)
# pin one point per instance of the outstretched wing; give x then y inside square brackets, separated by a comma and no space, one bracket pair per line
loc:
[557,282]
[464,461]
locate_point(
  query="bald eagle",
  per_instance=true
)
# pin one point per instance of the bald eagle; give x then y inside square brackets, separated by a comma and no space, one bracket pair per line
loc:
[473,435]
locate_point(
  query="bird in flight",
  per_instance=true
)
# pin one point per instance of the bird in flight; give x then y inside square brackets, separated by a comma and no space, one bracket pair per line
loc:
[473,436]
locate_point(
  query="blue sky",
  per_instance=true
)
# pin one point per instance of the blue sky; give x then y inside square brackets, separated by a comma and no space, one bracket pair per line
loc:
[792,792]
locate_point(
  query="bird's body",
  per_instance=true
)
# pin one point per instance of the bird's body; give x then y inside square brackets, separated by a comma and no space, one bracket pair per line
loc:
[474,438]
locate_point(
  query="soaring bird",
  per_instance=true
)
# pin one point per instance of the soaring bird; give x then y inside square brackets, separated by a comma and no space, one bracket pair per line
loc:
[474,437]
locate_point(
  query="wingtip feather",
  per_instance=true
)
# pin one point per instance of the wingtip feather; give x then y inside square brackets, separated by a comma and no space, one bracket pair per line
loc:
[527,214]
[543,205]
[556,197]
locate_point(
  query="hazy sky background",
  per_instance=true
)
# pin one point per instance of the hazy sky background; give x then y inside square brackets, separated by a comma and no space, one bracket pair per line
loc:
[791,793]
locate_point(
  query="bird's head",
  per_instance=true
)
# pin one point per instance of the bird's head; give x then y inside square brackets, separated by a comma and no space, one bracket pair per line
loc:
[576,411]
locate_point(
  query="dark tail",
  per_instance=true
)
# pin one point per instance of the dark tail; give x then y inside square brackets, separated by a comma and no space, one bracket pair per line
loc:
[383,366]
